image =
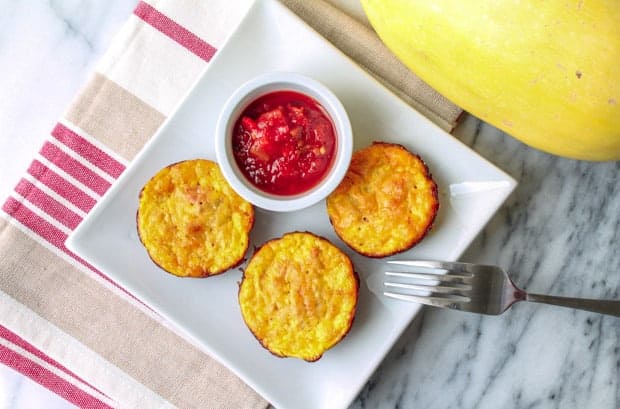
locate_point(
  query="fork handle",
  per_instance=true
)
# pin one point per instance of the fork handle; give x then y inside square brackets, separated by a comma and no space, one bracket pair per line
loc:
[610,307]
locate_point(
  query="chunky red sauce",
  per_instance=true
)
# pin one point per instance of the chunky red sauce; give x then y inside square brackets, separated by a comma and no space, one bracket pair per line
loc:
[284,143]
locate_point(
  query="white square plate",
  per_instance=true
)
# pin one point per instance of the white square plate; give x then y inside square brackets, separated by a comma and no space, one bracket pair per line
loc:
[272,38]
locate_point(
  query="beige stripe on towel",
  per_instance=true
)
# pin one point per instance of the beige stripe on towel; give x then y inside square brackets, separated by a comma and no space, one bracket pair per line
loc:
[113,328]
[111,114]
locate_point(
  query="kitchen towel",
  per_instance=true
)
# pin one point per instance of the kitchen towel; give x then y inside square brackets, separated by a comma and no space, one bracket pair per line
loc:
[67,325]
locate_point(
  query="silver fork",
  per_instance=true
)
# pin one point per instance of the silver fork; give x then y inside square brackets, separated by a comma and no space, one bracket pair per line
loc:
[476,288]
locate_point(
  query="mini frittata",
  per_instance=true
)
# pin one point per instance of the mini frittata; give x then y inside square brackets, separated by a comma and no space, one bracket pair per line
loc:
[386,203]
[298,295]
[191,222]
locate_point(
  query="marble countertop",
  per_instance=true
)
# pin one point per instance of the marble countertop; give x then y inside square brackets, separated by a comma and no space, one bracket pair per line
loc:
[558,233]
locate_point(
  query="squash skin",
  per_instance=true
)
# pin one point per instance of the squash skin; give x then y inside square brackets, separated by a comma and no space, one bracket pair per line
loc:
[545,72]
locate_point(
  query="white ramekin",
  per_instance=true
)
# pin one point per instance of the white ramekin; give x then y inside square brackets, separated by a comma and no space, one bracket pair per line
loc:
[244,96]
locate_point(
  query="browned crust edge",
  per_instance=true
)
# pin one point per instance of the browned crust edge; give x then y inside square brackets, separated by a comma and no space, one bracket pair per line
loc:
[353,311]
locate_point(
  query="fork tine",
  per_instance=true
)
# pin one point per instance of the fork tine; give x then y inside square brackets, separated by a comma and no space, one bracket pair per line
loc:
[430,288]
[479,288]
[442,278]
[450,292]
[432,301]
[442,265]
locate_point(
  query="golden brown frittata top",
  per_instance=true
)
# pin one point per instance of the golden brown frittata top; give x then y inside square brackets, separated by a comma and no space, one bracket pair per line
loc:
[191,221]
[298,295]
[386,203]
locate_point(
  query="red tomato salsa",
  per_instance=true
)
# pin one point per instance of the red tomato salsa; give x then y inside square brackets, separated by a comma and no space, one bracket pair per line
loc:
[284,143]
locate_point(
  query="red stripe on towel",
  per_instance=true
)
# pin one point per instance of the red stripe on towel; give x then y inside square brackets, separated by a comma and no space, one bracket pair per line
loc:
[22,343]
[74,168]
[35,223]
[48,204]
[49,379]
[61,186]
[175,31]
[88,151]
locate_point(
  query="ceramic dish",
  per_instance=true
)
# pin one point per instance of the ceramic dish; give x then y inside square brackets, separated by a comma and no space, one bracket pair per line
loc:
[249,92]
[471,190]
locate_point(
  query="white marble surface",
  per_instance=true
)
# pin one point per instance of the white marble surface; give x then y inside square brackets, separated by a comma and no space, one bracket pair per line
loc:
[558,233]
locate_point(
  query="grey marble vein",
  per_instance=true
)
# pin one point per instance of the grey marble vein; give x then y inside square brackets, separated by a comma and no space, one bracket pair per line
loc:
[71,20]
